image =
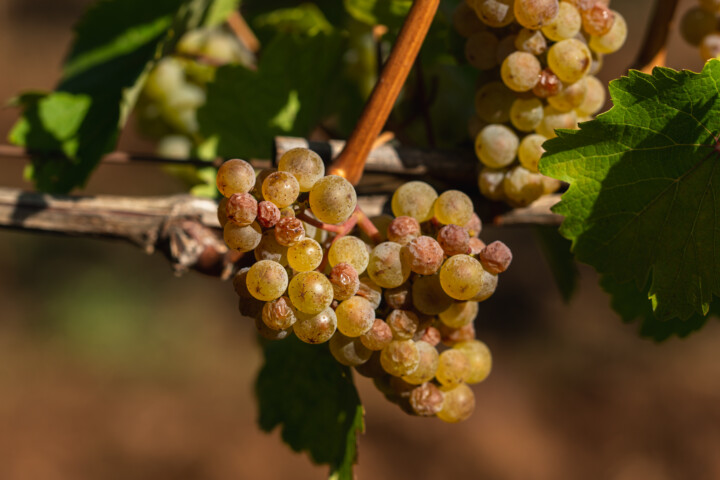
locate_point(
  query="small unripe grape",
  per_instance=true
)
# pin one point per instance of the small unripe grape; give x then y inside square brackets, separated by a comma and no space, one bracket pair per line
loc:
[402,230]
[345,281]
[355,316]
[400,357]
[281,188]
[305,255]
[534,14]
[315,328]
[424,255]
[242,239]
[278,314]
[492,105]
[495,13]
[458,403]
[378,337]
[453,206]
[289,231]
[386,266]
[480,360]
[571,97]
[453,240]
[531,41]
[453,367]
[268,214]
[332,199]
[349,249]
[526,115]
[414,199]
[429,296]
[304,164]
[522,187]
[566,24]
[310,292]
[235,176]
[427,366]
[459,314]
[530,151]
[461,277]
[426,400]
[267,280]
[520,71]
[270,249]
[612,41]
[348,351]
[496,146]
[403,324]
[570,60]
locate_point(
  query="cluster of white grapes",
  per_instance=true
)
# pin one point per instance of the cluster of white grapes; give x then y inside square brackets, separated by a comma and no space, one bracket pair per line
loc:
[700,27]
[397,301]
[539,59]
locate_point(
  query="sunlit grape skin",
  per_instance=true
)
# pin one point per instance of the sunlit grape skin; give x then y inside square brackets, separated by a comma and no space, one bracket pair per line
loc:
[614,39]
[235,176]
[530,151]
[304,164]
[570,60]
[349,249]
[480,360]
[453,367]
[305,255]
[453,207]
[458,405]
[315,328]
[461,277]
[242,239]
[310,292]
[267,280]
[386,267]
[332,199]
[414,199]
[427,364]
[281,188]
[496,146]
[459,314]
[520,71]
[534,14]
[400,357]
[355,316]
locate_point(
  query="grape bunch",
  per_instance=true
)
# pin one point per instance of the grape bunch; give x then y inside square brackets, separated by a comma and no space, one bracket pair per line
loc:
[393,297]
[700,27]
[538,60]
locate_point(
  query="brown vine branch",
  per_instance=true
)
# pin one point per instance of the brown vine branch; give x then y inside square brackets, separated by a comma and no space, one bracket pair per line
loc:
[653,49]
[351,162]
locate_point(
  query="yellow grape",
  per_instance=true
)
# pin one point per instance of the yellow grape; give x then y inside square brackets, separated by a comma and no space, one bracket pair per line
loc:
[242,239]
[400,357]
[459,314]
[530,151]
[332,199]
[386,266]
[480,359]
[461,277]
[526,115]
[453,207]
[613,40]
[520,71]
[310,292]
[458,405]
[349,249]
[453,367]
[572,96]
[305,255]
[414,199]
[427,366]
[267,280]
[235,176]
[281,188]
[304,164]
[566,24]
[570,60]
[594,97]
[355,316]
[496,146]
[315,328]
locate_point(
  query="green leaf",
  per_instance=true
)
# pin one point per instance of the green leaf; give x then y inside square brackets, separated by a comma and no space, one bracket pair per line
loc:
[306,19]
[384,12]
[286,95]
[642,206]
[116,44]
[560,259]
[305,391]
[219,11]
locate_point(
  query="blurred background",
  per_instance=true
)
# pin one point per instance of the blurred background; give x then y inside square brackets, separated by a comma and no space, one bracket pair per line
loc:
[112,368]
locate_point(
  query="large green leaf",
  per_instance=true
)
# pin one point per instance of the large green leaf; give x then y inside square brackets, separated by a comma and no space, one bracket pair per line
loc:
[385,12]
[305,391]
[116,44]
[286,95]
[643,204]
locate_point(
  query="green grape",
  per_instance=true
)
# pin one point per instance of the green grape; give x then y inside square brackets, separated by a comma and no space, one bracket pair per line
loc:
[332,199]
[306,165]
[554,119]
[315,328]
[530,151]
[458,405]
[310,292]
[222,48]
[612,41]
[465,20]
[242,239]
[278,314]
[427,366]
[414,199]
[531,41]
[570,97]
[235,176]
[453,367]
[496,146]
[305,255]
[267,280]
[378,337]
[191,43]
[490,183]
[386,266]
[459,314]
[349,249]
[348,351]
[454,207]
[566,24]
[534,14]
[526,115]
[522,187]
[480,359]
[480,50]
[461,277]
[400,357]
[166,77]
[355,316]
[520,71]
[270,249]
[495,13]
[492,103]
[594,97]
[280,188]
[569,59]
[428,295]
[488,286]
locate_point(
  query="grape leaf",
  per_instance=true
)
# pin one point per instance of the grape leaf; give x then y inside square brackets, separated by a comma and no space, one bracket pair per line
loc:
[306,392]
[307,19]
[642,206]
[286,95]
[116,44]
[385,12]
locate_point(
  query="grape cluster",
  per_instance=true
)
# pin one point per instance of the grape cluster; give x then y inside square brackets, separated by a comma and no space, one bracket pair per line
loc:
[396,299]
[539,59]
[700,27]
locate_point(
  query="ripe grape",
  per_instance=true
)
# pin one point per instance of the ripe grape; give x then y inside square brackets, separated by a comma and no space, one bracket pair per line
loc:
[465,20]
[289,231]
[270,249]
[431,335]
[453,240]
[530,151]
[594,98]
[427,366]
[304,164]
[566,24]
[488,286]
[461,277]
[239,282]
[268,333]
[344,280]
[571,97]
[429,296]
[310,292]
[305,255]
[332,199]
[555,119]
[267,280]
[613,40]
[521,186]
[403,229]
[496,257]
[315,328]
[399,297]
[490,183]
[403,324]
[426,400]
[400,357]
[242,239]
[355,316]
[424,255]
[259,180]
[496,146]
[268,214]
[386,267]
[548,84]
[480,359]
[570,59]
[370,291]
[459,314]
[278,314]
[235,176]
[534,14]
[453,367]
[349,249]
[476,246]
[348,351]
[525,115]
[531,41]
[222,211]
[281,188]
[520,71]
[458,403]
[453,336]
[480,50]
[414,199]
[598,19]
[453,206]
[378,337]
[241,209]
[495,13]
[473,226]
[492,104]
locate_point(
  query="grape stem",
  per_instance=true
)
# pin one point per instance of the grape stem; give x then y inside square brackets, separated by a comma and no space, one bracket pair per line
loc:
[358,218]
